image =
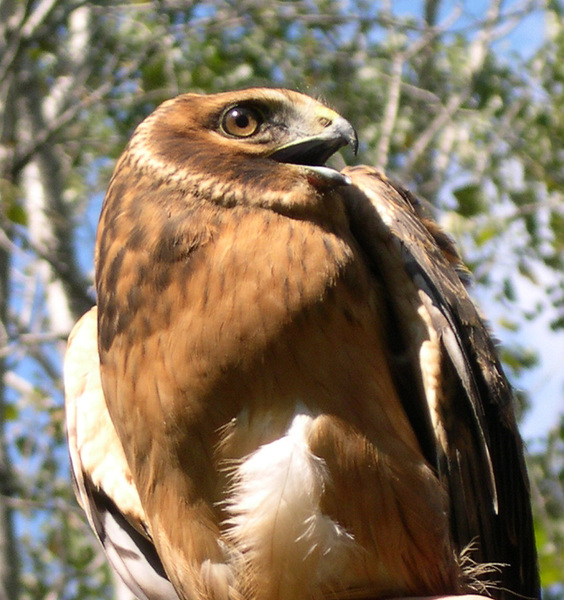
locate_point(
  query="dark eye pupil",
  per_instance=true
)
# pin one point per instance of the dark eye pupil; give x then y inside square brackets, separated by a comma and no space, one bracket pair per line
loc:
[241,120]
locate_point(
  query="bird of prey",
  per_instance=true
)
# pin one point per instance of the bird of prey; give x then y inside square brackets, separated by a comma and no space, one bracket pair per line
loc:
[285,391]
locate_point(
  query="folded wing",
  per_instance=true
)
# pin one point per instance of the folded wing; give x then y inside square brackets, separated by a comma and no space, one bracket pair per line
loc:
[458,398]
[101,477]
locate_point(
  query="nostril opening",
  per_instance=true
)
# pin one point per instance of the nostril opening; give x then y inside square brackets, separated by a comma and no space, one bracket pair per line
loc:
[325,122]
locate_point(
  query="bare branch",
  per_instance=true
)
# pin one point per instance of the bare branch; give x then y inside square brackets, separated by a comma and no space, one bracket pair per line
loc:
[475,63]
[391,109]
[37,18]
[28,150]
[51,504]
[390,112]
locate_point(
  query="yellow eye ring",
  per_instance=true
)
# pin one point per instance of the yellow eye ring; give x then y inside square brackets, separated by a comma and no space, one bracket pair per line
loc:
[241,121]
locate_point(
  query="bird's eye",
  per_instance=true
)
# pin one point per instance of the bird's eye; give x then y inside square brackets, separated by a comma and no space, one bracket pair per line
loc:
[240,121]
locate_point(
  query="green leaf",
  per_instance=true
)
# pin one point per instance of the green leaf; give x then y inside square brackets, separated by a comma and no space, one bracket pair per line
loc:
[16,214]
[470,200]
[557,226]
[154,74]
[11,412]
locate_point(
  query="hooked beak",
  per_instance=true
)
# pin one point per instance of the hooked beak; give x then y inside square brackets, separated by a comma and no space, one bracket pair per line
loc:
[314,151]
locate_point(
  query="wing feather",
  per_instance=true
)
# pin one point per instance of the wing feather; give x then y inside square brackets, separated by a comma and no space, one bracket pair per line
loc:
[101,476]
[479,453]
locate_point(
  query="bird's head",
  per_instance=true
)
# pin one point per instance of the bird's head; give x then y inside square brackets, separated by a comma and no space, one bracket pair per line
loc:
[260,146]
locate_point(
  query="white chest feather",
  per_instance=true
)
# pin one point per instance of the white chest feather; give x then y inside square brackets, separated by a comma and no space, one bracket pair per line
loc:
[290,548]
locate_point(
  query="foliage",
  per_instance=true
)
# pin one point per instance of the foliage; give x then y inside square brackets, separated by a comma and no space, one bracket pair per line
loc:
[547,473]
[453,100]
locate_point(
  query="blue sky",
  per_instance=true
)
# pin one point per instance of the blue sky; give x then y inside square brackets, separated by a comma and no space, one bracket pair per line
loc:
[522,41]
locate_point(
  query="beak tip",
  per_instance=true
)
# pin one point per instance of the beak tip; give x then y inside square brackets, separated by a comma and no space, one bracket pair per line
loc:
[349,134]
[353,142]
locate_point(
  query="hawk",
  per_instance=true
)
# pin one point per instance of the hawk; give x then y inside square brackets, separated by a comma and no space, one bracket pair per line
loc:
[285,391]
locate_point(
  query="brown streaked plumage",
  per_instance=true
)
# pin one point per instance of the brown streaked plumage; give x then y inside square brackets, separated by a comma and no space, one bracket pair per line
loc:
[301,398]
